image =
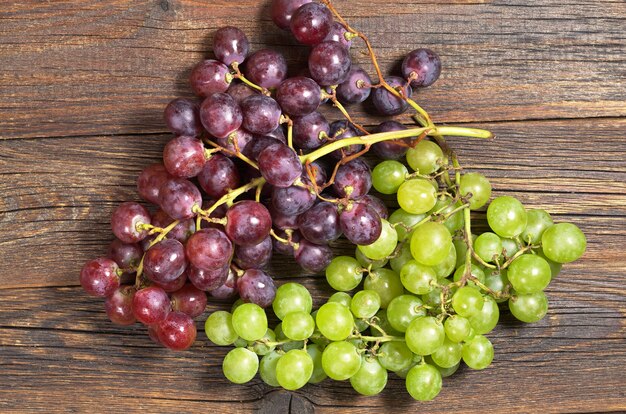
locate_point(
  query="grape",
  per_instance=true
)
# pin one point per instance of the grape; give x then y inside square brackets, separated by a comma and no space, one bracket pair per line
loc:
[286,248]
[125,219]
[384,245]
[279,165]
[248,223]
[209,77]
[506,216]
[119,305]
[320,224]
[178,197]
[334,321]
[218,176]
[310,131]
[365,304]
[458,328]
[529,274]
[177,331]
[220,115]
[423,65]
[249,321]
[184,157]
[344,273]
[357,86]
[496,281]
[219,328]
[298,96]
[395,356]
[467,301]
[182,117]
[228,289]
[240,365]
[416,196]
[447,355]
[555,268]
[445,268]
[392,149]
[230,45]
[266,68]
[475,271]
[165,261]
[538,222]
[425,158]
[209,249]
[267,368]
[433,298]
[150,181]
[388,176]
[126,255]
[444,206]
[151,305]
[430,243]
[386,283]
[353,179]
[338,33]
[367,262]
[487,319]
[263,346]
[529,308]
[360,223]
[340,297]
[402,310]
[312,257]
[377,204]
[294,369]
[417,278]
[261,114]
[100,277]
[399,260]
[341,360]
[298,326]
[509,246]
[181,232]
[478,352]
[424,335]
[478,186]
[254,256]
[291,297]
[311,23]
[407,219]
[208,280]
[371,378]
[282,11]
[389,104]
[488,246]
[240,91]
[342,130]
[318,374]
[189,300]
[423,382]
[329,63]
[563,243]
[257,287]
[293,200]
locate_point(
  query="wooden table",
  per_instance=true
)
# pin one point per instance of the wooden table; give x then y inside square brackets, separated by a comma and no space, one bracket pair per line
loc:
[82,89]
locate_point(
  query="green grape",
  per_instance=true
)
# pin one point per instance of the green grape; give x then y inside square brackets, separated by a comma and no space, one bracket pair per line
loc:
[384,245]
[340,297]
[509,246]
[365,304]
[455,221]
[506,216]
[445,372]
[430,243]
[236,304]
[318,375]
[445,268]
[370,379]
[477,272]
[417,196]
[538,222]
[249,321]
[344,273]
[484,321]
[471,335]
[267,368]
[366,261]
[529,308]
[291,297]
[395,356]
[529,273]
[219,328]
[425,158]
[423,382]
[448,354]
[317,337]
[555,268]
[280,336]
[386,283]
[294,369]
[418,278]
[400,260]
[334,321]
[388,175]
[260,348]
[341,360]
[478,186]
[383,323]
[424,335]
[457,328]
[496,281]
[433,298]
[403,310]
[240,343]
[240,365]
[361,324]
[478,352]
[563,243]
[298,326]
[467,301]
[487,246]
[408,220]
[461,249]
[403,372]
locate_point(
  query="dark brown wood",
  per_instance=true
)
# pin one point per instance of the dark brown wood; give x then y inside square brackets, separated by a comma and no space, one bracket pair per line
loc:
[82,88]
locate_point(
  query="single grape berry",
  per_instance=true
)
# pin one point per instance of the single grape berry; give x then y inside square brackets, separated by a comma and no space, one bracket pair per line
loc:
[189,300]
[360,224]
[254,256]
[99,277]
[236,142]
[312,257]
[266,68]
[261,114]
[184,156]
[125,220]
[293,200]
[282,11]
[388,103]
[240,91]
[280,165]
[356,88]
[257,287]
[180,232]
[395,148]
[311,23]
[338,33]
[126,255]
[182,117]
[342,130]
[220,115]
[177,331]
[230,45]
[178,197]
[218,176]
[422,66]
[353,180]
[119,306]
[320,224]
[150,181]
[165,261]
[151,305]
[329,63]
[310,131]
[248,223]
[208,280]
[209,77]
[298,96]
[209,249]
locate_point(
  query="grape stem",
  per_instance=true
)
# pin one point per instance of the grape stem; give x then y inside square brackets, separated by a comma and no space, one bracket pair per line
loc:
[241,77]
[157,239]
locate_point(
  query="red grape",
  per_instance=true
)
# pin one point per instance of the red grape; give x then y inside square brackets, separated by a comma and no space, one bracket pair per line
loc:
[310,131]
[248,223]
[189,300]
[255,255]
[280,165]
[184,157]
[208,279]
[209,249]
[119,306]
[209,77]
[220,115]
[329,63]
[311,23]
[392,149]
[218,176]
[337,33]
[353,180]
[360,224]
[228,289]
[150,181]
[348,132]
[126,255]
[388,104]
[424,64]
[182,117]
[298,96]
[177,331]
[230,45]
[240,91]
[320,224]
[266,68]
[181,232]
[356,88]
[377,204]
[99,277]
[125,219]
[177,197]
[257,287]
[165,261]
[261,114]
[175,284]
[151,305]
[283,10]
[241,137]
[312,257]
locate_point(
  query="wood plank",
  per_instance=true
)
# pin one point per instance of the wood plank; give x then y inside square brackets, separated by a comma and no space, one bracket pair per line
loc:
[74,68]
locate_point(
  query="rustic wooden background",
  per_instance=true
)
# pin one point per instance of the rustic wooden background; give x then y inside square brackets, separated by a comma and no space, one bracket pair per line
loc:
[82,88]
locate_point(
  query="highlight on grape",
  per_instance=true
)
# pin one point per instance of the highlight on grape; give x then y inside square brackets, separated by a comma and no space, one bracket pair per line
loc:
[255,170]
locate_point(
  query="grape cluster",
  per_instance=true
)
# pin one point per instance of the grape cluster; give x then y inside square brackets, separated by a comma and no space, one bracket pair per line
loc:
[255,169]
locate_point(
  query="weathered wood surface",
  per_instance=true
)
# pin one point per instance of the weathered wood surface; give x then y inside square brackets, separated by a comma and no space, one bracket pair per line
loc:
[82,87]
